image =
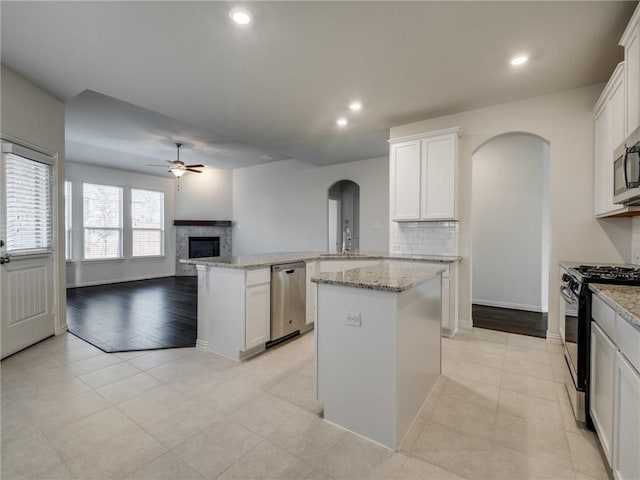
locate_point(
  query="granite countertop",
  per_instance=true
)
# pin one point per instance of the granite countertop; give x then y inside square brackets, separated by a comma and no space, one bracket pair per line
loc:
[624,299]
[389,278]
[248,262]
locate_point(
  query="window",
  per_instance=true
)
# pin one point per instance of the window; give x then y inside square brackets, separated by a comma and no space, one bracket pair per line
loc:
[102,221]
[147,222]
[28,213]
[67,220]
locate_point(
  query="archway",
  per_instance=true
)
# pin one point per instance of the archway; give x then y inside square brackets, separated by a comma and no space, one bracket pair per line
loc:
[343,217]
[510,234]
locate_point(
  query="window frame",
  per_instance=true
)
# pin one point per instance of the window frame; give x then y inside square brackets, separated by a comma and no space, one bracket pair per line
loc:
[161,230]
[119,229]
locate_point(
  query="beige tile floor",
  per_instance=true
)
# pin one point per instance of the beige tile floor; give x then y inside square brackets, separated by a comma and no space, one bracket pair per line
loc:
[71,411]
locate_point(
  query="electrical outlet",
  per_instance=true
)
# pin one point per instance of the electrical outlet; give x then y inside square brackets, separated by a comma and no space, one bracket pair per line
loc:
[353,319]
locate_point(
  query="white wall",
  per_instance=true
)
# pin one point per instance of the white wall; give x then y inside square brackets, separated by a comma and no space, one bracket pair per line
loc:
[282,206]
[564,119]
[507,222]
[635,241]
[83,273]
[37,118]
[205,196]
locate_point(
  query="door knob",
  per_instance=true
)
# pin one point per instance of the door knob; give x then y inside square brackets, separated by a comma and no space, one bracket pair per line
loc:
[5,259]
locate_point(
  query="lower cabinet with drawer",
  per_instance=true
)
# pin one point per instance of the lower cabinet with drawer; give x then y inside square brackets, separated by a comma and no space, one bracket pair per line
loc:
[626,422]
[614,389]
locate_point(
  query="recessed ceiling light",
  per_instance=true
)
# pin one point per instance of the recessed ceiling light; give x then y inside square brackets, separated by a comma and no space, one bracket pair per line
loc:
[519,60]
[355,106]
[342,122]
[241,16]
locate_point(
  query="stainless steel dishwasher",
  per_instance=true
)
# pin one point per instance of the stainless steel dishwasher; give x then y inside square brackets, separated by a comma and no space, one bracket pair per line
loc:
[288,301]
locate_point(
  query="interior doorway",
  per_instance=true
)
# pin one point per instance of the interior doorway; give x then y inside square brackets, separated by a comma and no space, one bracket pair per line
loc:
[510,234]
[343,217]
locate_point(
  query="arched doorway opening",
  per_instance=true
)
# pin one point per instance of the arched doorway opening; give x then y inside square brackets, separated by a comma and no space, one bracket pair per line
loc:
[343,218]
[510,234]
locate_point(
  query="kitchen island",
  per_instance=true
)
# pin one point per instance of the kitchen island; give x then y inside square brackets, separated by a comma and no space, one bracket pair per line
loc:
[234,294]
[378,347]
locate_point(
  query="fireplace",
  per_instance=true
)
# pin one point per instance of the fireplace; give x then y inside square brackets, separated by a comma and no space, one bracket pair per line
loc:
[204,247]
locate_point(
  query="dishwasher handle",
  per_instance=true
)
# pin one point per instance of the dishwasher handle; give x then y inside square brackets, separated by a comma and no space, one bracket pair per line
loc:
[288,267]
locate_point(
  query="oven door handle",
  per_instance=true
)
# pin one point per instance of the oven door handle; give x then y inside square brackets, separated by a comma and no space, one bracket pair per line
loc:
[568,298]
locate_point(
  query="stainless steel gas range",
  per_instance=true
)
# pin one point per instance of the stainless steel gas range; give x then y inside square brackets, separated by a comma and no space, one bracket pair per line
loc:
[574,290]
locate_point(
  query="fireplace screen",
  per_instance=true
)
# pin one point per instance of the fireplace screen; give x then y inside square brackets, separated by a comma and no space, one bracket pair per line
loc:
[204,247]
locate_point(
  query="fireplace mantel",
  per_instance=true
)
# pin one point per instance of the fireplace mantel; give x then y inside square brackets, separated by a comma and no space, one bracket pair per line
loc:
[202,223]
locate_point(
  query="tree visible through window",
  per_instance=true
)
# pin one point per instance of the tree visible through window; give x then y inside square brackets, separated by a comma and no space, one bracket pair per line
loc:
[102,216]
[147,222]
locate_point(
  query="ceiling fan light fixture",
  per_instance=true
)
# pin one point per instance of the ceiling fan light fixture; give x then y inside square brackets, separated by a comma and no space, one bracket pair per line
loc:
[178,170]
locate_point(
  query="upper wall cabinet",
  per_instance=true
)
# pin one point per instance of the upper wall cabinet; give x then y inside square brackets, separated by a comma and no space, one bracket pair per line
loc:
[609,114]
[631,42]
[423,176]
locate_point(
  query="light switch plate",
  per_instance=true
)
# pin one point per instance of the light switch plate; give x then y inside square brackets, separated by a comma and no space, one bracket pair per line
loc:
[353,319]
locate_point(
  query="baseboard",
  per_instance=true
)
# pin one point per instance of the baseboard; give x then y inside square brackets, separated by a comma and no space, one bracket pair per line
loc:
[59,330]
[202,344]
[554,337]
[119,280]
[512,306]
[465,323]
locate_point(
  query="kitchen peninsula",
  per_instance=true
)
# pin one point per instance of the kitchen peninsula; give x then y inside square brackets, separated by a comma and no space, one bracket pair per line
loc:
[234,294]
[378,342]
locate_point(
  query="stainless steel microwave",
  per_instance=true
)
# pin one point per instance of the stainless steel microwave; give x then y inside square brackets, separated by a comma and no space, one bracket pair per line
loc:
[626,171]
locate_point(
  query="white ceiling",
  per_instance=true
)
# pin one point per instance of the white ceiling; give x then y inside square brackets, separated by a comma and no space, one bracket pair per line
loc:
[180,71]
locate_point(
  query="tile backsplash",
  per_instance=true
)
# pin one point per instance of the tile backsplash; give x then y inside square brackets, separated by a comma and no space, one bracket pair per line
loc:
[635,240]
[424,238]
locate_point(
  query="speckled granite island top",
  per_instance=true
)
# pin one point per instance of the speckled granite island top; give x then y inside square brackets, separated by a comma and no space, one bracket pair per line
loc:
[389,278]
[248,262]
[622,298]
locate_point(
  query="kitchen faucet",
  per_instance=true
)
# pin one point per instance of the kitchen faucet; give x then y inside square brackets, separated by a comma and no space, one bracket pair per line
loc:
[346,238]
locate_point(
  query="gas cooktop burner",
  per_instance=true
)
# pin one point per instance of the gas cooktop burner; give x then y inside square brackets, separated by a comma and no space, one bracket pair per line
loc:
[609,272]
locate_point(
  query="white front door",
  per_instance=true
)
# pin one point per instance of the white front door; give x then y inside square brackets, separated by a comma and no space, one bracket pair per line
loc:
[27,230]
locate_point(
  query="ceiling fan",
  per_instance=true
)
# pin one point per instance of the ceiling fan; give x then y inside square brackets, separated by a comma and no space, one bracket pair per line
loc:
[177,167]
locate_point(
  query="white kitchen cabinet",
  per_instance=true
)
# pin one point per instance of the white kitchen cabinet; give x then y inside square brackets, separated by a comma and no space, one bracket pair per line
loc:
[257,315]
[631,42]
[449,293]
[609,115]
[423,171]
[438,177]
[603,358]
[614,385]
[234,310]
[405,177]
[626,429]
[311,294]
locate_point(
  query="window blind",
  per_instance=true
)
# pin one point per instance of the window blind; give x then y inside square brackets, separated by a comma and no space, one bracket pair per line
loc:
[29,224]
[102,221]
[67,220]
[147,222]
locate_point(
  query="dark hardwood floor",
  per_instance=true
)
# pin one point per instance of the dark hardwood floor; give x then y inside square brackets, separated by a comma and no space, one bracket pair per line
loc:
[533,324]
[143,315]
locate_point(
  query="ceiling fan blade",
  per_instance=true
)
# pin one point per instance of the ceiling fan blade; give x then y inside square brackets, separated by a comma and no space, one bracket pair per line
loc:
[192,170]
[195,166]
